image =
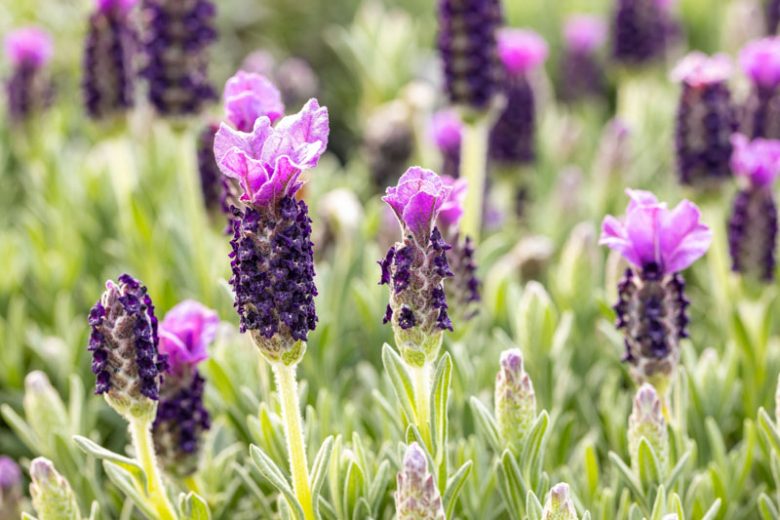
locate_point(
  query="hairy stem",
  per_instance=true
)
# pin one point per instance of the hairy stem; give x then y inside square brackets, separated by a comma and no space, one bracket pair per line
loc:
[141,434]
[421,384]
[473,164]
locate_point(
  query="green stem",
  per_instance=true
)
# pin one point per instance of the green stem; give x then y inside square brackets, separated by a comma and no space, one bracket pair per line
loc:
[473,163]
[421,384]
[287,387]
[141,434]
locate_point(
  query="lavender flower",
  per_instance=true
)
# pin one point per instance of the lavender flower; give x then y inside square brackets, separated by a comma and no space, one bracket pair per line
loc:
[447,133]
[640,31]
[417,497]
[760,61]
[515,400]
[272,257]
[10,489]
[468,50]
[28,50]
[647,422]
[512,139]
[124,343]
[249,96]
[582,75]
[388,142]
[706,118]
[772,14]
[559,505]
[109,51]
[753,222]
[210,177]
[176,36]
[416,267]
[651,310]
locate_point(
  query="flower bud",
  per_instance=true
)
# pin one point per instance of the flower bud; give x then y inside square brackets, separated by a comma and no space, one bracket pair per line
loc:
[647,422]
[417,496]
[559,505]
[124,344]
[515,400]
[52,496]
[10,489]
[44,409]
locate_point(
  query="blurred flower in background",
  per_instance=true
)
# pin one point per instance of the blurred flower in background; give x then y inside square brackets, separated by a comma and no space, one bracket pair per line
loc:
[581,71]
[29,90]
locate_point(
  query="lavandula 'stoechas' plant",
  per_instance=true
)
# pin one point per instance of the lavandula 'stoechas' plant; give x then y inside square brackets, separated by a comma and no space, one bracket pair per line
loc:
[447,134]
[513,137]
[417,497]
[760,61]
[10,489]
[463,290]
[109,54]
[658,243]
[515,400]
[182,420]
[28,50]
[582,75]
[753,221]
[640,31]
[176,36]
[210,176]
[559,505]
[647,422]
[706,118]
[52,496]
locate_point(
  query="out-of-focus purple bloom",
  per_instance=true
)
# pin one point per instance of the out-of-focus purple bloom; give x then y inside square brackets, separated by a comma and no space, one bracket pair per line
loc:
[297,80]
[447,132]
[185,333]
[210,176]
[268,161]
[451,210]
[468,50]
[417,497]
[760,61]
[584,33]
[28,50]
[706,118]
[640,31]
[772,14]
[28,46]
[388,142]
[417,200]
[123,5]
[249,96]
[10,474]
[521,50]
[581,73]
[260,62]
[757,161]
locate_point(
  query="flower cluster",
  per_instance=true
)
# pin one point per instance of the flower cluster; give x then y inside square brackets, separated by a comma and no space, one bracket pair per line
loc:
[760,61]
[272,257]
[582,75]
[109,51]
[416,496]
[651,310]
[177,34]
[468,50]
[124,343]
[753,221]
[416,267]
[706,118]
[28,50]
[513,137]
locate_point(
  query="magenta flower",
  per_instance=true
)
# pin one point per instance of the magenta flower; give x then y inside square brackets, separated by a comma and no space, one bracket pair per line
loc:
[760,60]
[249,96]
[417,200]
[268,161]
[452,209]
[698,70]
[447,130]
[654,238]
[521,50]
[28,46]
[758,160]
[185,333]
[584,33]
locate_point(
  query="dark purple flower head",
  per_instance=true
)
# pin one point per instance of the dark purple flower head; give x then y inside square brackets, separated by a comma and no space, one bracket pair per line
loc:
[28,46]
[109,54]
[123,344]
[28,89]
[176,37]
[513,136]
[468,50]
[756,161]
[185,333]
[584,34]
[210,176]
[772,13]
[417,200]
[249,96]
[640,31]
[521,51]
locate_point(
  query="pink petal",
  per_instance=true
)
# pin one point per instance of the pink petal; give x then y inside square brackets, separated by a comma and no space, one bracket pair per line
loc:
[614,236]
[642,228]
[684,239]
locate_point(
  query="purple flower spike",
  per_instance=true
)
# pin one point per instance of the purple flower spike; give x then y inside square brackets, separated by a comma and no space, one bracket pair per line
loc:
[706,118]
[447,132]
[268,161]
[28,50]
[760,61]
[28,46]
[772,16]
[520,50]
[652,306]
[584,34]
[185,332]
[249,96]
[417,200]
[757,161]
[640,31]
[582,74]
[124,347]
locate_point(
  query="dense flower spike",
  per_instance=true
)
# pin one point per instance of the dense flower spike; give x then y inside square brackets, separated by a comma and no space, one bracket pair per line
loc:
[651,310]
[176,36]
[416,267]
[123,343]
[417,497]
[272,257]
[109,53]
[210,177]
[706,118]
[52,496]
[515,400]
[559,505]
[447,134]
[468,50]
[647,422]
[753,221]
[28,50]
[760,61]
[10,489]
[640,31]
[512,139]
[582,75]
[249,96]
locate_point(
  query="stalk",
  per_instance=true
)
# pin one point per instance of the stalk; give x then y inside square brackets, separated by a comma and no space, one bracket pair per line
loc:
[421,385]
[473,165]
[141,434]
[287,386]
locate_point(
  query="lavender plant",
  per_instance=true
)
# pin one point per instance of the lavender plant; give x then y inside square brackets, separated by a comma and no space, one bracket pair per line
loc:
[28,50]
